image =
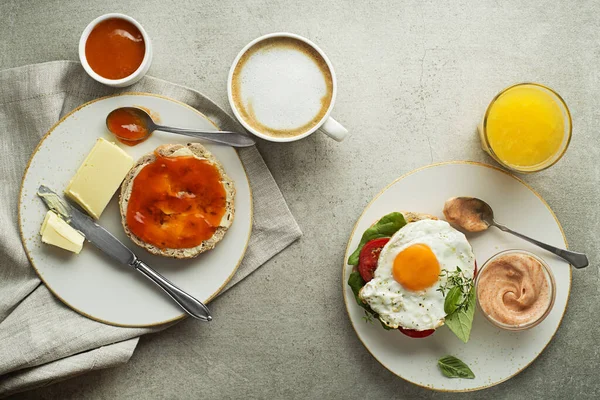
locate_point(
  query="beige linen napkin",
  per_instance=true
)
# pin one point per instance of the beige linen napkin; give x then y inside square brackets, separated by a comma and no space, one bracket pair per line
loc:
[41,340]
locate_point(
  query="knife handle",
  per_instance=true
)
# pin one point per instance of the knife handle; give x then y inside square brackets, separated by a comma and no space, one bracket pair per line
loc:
[190,305]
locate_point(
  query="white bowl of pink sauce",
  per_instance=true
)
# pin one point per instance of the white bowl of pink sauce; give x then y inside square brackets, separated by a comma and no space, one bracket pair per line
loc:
[515,290]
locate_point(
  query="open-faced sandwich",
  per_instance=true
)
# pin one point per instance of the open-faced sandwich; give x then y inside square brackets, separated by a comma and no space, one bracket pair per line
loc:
[177,201]
[415,273]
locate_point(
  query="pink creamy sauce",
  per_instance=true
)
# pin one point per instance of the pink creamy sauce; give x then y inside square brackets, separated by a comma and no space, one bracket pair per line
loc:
[513,289]
[464,212]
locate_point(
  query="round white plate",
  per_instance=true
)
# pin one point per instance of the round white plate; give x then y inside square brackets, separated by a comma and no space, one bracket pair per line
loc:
[494,355]
[91,283]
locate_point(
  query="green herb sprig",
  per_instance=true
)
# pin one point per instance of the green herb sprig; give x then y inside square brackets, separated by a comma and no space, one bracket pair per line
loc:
[459,303]
[456,290]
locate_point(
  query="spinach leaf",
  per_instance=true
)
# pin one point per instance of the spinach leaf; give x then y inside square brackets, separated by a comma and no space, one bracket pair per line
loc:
[356,282]
[385,227]
[387,328]
[461,320]
[453,299]
[452,367]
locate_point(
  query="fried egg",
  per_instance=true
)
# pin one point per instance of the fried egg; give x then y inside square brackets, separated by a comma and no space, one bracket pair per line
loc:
[410,271]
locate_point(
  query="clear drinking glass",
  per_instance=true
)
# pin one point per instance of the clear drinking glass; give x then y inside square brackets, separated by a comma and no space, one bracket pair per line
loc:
[551,287]
[562,109]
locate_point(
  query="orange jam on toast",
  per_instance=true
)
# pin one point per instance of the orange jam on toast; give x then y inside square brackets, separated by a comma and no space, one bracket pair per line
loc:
[176,202]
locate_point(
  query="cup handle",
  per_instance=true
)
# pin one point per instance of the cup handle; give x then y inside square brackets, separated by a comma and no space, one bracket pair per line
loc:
[334,129]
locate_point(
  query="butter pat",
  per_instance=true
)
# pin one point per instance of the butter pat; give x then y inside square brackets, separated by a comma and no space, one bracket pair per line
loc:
[185,152]
[57,232]
[99,177]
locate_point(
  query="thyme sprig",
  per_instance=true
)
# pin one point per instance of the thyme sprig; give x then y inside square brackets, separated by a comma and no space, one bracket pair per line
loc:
[456,290]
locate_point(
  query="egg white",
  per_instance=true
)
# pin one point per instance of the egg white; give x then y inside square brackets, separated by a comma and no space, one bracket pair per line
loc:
[420,310]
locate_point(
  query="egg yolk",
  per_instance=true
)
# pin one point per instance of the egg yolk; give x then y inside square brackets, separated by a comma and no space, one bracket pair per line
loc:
[416,267]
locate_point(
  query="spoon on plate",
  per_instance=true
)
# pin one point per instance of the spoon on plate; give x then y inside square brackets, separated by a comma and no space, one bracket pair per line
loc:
[475,215]
[133,124]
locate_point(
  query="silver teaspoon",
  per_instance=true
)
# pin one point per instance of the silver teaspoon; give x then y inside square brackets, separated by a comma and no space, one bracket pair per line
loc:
[142,125]
[473,215]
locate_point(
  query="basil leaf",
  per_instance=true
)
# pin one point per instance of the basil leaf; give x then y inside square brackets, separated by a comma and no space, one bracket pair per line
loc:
[385,227]
[452,367]
[453,299]
[461,320]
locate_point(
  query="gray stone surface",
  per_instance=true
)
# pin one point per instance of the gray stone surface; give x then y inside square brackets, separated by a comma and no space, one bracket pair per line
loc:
[414,79]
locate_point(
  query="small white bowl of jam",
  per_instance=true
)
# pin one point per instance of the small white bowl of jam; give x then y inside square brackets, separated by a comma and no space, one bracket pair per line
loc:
[115,50]
[515,290]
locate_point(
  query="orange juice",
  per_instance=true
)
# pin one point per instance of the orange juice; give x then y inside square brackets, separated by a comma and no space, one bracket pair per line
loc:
[527,127]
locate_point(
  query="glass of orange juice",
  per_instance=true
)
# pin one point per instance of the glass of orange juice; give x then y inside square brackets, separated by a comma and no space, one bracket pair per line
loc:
[526,128]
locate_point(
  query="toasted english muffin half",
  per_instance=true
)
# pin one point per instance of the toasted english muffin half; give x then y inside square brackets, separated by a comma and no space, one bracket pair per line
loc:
[178,150]
[410,216]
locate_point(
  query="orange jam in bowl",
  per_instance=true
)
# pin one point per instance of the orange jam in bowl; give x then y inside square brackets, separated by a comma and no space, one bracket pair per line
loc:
[176,202]
[526,128]
[115,50]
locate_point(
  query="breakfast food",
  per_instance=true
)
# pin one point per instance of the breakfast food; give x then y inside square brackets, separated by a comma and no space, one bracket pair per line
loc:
[56,232]
[115,48]
[415,273]
[177,201]
[514,289]
[99,177]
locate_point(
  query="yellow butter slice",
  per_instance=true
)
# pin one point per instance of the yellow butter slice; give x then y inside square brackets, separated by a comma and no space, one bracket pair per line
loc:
[55,231]
[99,177]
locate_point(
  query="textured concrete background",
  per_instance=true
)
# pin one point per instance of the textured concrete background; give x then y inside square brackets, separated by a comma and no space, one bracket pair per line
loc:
[414,79]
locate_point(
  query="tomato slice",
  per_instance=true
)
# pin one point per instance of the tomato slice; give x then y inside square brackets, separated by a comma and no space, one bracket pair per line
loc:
[416,334]
[368,257]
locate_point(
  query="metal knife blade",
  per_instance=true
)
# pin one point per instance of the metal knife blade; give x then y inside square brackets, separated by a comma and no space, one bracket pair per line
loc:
[107,243]
[94,233]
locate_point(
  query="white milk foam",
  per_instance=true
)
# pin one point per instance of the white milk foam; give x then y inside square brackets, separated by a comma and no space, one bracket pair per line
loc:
[283,87]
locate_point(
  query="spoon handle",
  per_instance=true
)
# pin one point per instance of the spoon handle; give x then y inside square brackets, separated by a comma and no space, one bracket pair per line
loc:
[224,137]
[577,260]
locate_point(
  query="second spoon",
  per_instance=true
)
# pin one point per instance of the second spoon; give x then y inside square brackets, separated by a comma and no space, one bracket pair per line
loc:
[475,215]
[133,124]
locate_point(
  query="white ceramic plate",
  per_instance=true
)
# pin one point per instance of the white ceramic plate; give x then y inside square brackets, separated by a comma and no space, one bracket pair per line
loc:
[91,283]
[494,355]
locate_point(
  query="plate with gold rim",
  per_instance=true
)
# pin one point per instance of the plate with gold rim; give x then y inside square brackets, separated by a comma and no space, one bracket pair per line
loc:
[493,354]
[90,282]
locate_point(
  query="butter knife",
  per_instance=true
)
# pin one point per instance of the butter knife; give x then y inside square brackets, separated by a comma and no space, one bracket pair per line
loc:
[107,243]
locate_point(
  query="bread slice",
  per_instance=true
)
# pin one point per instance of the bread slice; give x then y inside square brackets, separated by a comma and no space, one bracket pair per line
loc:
[178,150]
[410,216]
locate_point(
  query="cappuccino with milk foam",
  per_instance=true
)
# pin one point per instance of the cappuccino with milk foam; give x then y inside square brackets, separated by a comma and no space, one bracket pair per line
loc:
[282,87]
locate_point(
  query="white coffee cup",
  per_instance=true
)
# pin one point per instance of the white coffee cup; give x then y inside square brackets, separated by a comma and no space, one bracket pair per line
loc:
[271,91]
